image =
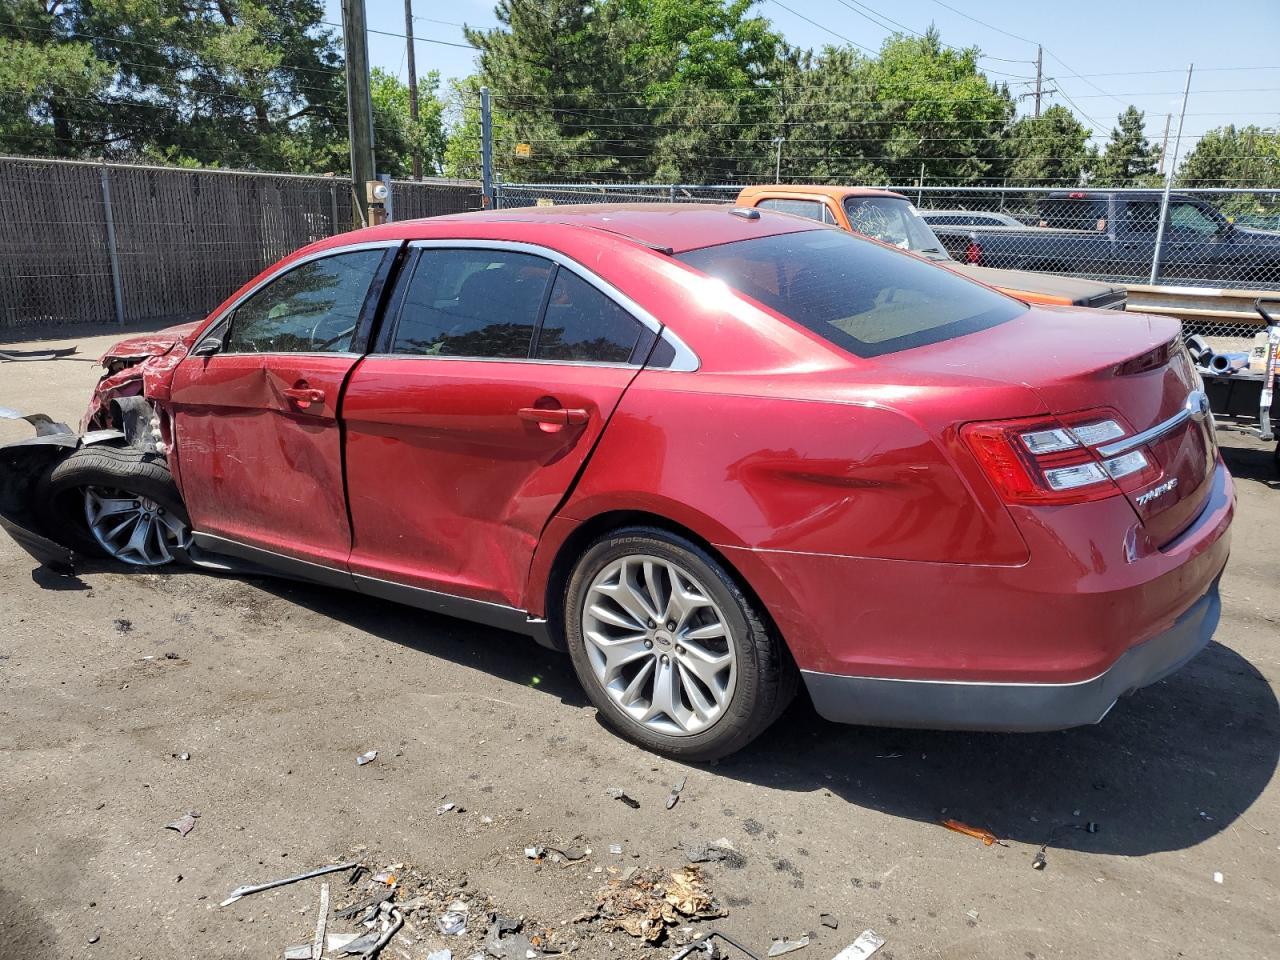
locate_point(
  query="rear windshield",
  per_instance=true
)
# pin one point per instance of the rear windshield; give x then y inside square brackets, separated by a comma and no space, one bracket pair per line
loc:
[859,295]
[891,220]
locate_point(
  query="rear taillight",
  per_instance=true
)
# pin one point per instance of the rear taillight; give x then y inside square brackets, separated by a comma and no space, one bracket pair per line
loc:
[1055,460]
[973,252]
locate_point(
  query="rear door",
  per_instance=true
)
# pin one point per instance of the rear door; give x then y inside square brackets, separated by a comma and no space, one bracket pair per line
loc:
[256,424]
[497,370]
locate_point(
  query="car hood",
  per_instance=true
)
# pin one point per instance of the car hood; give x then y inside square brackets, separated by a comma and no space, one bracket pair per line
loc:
[145,345]
[1083,293]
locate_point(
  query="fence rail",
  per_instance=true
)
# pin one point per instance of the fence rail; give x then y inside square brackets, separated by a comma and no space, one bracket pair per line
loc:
[94,242]
[1212,237]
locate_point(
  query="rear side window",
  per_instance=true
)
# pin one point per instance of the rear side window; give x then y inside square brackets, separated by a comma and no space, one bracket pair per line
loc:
[472,303]
[313,308]
[1074,214]
[858,295]
[582,324]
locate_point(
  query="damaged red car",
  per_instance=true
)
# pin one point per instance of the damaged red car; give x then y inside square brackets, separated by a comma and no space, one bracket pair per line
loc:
[715,454]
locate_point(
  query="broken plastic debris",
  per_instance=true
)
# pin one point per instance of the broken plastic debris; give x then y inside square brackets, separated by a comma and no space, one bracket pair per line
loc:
[444,808]
[317,941]
[244,891]
[718,851]
[361,944]
[301,952]
[615,849]
[385,876]
[986,836]
[184,824]
[619,794]
[445,954]
[534,853]
[452,923]
[1217,876]
[868,942]
[779,947]
[337,941]
[368,757]
[675,792]
[972,915]
[706,946]
[828,921]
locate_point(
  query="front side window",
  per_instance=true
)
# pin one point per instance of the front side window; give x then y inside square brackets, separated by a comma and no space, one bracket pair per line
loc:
[584,325]
[809,209]
[857,295]
[1190,218]
[472,303]
[313,308]
[1142,216]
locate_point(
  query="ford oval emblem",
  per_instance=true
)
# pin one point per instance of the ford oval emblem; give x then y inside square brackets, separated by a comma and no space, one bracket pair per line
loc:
[1198,405]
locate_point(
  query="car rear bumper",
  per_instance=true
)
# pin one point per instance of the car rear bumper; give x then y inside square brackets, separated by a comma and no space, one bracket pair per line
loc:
[951,705]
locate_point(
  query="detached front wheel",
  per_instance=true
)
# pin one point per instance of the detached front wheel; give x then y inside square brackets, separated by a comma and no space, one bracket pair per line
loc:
[120,502]
[669,648]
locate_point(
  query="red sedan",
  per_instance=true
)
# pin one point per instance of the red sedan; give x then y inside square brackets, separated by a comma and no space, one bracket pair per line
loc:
[713,453]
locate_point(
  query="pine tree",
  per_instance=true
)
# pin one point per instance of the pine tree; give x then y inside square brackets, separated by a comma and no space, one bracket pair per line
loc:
[1129,159]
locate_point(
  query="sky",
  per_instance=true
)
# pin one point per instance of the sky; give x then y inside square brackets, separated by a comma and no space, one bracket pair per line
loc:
[1101,57]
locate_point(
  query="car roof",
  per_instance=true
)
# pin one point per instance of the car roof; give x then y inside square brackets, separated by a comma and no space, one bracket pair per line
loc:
[814,189]
[677,227]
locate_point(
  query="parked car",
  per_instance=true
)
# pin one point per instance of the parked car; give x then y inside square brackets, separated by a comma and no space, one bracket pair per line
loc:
[892,218]
[1112,233]
[713,453]
[969,218]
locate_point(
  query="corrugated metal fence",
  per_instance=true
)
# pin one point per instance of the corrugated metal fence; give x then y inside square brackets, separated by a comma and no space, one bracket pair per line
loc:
[93,243]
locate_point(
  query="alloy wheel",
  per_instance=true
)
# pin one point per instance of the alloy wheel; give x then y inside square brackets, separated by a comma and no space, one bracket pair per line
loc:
[133,529]
[659,645]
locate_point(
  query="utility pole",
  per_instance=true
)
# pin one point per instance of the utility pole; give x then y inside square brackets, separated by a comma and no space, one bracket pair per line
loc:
[1164,143]
[1039,71]
[1168,181]
[413,85]
[486,148]
[355,39]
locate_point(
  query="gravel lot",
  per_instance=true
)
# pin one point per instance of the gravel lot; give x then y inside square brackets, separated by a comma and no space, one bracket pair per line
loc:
[273,688]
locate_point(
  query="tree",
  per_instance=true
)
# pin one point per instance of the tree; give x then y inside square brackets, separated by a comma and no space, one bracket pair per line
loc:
[396,134]
[1227,157]
[1128,159]
[253,83]
[934,112]
[1049,150]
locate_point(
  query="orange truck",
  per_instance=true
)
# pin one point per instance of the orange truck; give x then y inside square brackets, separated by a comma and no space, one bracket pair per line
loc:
[893,219]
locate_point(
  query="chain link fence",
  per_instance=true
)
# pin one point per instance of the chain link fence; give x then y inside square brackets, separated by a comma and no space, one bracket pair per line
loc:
[95,243]
[1212,238]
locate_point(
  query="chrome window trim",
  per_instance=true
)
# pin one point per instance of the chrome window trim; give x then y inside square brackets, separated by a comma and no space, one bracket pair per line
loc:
[275,275]
[685,360]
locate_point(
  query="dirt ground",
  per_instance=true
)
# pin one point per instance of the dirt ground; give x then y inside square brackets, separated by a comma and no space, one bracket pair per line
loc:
[272,689]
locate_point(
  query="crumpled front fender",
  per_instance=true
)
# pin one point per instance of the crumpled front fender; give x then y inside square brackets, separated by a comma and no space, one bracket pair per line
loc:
[23,467]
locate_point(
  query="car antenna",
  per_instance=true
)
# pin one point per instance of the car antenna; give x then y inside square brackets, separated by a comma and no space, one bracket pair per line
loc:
[746,213]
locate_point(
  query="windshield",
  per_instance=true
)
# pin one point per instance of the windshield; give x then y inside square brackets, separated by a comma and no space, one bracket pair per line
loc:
[860,296]
[895,221]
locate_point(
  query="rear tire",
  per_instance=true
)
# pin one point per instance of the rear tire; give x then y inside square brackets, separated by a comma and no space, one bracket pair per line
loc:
[696,692]
[117,502]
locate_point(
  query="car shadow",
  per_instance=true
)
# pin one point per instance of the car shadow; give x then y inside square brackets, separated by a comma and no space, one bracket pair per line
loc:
[1254,462]
[1170,766]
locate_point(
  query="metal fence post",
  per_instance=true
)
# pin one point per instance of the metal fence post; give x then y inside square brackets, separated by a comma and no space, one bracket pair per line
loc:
[673,193]
[389,205]
[116,289]
[333,208]
[1158,253]
[497,191]
[486,148]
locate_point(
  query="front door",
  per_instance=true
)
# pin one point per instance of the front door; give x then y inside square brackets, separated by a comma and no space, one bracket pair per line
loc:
[256,424]
[496,375]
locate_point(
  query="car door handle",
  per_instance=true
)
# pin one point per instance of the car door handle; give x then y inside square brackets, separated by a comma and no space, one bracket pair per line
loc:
[304,394]
[554,416]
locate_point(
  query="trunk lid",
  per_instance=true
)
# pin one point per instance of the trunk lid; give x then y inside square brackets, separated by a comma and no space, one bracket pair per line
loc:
[1134,366]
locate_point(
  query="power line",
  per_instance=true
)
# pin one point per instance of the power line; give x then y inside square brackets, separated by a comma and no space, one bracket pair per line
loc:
[841,36]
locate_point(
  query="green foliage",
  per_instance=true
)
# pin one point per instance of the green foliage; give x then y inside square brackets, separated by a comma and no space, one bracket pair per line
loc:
[396,134]
[1128,160]
[1049,150]
[243,83]
[1245,157]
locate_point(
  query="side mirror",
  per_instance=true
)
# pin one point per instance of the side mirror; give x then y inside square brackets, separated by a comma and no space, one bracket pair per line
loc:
[207,347]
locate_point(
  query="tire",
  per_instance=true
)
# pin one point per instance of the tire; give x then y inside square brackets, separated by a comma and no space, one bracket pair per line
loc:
[757,686]
[118,473]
